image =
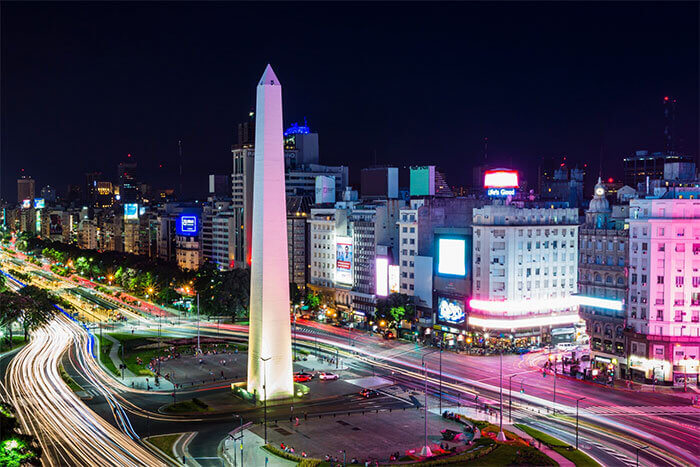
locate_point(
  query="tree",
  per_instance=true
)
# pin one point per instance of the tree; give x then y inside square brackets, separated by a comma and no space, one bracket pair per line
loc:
[39,309]
[313,301]
[395,307]
[295,294]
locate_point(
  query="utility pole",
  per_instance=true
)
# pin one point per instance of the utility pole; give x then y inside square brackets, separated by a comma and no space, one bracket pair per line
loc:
[199,350]
[577,401]
[426,449]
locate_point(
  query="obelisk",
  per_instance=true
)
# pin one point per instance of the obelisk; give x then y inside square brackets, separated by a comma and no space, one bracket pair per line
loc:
[270,335]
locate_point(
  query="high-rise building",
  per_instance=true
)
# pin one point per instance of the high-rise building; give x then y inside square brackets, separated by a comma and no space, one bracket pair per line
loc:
[663,311]
[379,182]
[525,269]
[218,234]
[602,266]
[49,194]
[126,177]
[220,186]
[298,209]
[25,188]
[242,203]
[566,185]
[90,192]
[643,165]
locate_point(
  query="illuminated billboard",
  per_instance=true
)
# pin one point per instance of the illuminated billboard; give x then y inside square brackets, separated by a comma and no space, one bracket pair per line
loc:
[187,225]
[501,178]
[394,279]
[131,211]
[500,183]
[452,256]
[422,181]
[55,224]
[26,203]
[39,203]
[343,260]
[451,311]
[382,269]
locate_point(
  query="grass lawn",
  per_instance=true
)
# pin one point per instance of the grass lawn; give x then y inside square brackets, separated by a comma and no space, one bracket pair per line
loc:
[192,405]
[105,347]
[68,380]
[506,454]
[577,457]
[17,341]
[164,443]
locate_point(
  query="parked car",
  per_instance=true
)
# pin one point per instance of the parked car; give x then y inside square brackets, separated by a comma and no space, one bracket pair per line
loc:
[327,376]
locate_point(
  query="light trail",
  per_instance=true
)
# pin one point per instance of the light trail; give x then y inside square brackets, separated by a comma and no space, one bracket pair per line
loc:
[68,432]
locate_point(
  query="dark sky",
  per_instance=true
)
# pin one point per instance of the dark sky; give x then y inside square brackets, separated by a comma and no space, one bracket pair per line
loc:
[85,84]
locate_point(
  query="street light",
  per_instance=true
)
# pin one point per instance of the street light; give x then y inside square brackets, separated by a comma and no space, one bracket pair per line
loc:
[264,360]
[640,448]
[577,401]
[501,436]
[426,449]
[510,398]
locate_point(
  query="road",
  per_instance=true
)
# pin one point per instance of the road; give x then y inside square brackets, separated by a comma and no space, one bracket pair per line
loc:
[667,423]
[69,433]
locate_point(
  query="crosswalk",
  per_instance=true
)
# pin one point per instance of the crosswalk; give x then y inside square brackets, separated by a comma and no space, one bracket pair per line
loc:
[624,460]
[643,410]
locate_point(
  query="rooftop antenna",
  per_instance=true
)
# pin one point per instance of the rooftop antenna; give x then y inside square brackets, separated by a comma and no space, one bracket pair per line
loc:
[179,155]
[670,124]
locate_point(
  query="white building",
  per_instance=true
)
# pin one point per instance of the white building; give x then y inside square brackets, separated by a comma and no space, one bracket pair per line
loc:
[524,267]
[664,289]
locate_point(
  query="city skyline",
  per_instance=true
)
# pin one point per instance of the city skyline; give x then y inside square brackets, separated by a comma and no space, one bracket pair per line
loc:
[182,89]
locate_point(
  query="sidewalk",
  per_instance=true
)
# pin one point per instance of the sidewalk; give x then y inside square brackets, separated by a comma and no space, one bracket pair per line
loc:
[253,453]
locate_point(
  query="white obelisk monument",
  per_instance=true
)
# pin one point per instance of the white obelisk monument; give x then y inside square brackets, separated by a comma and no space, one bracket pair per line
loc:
[270,338]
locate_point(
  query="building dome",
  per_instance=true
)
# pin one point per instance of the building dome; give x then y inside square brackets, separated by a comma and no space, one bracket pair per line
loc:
[599,203]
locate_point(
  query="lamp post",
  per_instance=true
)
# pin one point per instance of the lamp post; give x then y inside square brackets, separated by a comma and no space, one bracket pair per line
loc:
[640,448]
[577,401]
[426,449]
[442,339]
[554,396]
[510,398]
[199,350]
[501,436]
[264,360]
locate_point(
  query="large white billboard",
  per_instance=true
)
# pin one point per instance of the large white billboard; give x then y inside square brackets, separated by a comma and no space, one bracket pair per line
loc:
[394,274]
[382,269]
[343,260]
[452,256]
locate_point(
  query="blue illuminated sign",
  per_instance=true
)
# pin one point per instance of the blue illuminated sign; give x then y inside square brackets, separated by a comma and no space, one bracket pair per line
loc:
[187,225]
[500,192]
[297,129]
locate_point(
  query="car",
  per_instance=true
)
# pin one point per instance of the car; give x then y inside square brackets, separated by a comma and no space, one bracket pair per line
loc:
[368,393]
[327,376]
[302,377]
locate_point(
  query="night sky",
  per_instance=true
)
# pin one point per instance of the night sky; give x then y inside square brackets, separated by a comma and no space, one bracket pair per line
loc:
[83,85]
